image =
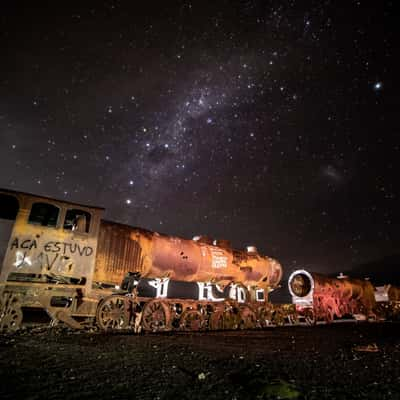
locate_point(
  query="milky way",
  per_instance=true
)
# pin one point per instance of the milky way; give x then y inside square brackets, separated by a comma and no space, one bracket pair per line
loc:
[262,122]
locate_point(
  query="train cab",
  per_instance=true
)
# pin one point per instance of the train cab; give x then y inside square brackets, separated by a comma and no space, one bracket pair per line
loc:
[47,251]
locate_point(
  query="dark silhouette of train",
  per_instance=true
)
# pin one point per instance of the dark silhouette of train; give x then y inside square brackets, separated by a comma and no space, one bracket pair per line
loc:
[62,260]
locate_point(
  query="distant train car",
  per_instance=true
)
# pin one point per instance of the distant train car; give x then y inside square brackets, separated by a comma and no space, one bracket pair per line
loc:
[321,298]
[62,258]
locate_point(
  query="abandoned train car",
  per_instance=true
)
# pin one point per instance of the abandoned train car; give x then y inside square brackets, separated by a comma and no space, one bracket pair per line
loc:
[322,298]
[63,259]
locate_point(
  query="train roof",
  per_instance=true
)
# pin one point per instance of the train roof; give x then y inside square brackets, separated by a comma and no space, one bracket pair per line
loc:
[127,226]
[50,198]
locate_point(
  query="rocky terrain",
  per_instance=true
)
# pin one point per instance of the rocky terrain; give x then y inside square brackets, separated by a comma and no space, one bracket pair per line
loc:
[338,361]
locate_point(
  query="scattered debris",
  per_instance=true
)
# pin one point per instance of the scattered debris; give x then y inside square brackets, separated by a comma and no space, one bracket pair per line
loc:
[201,376]
[278,389]
[369,348]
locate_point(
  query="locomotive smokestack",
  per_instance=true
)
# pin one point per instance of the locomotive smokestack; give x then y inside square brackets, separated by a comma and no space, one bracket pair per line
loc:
[226,244]
[202,239]
[251,250]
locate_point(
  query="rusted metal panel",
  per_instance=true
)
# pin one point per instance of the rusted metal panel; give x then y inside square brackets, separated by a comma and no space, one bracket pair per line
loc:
[183,259]
[189,260]
[47,262]
[125,249]
[50,252]
[119,252]
[393,293]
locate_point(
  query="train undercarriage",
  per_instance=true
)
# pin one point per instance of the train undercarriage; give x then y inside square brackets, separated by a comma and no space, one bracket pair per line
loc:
[127,312]
[131,313]
[154,315]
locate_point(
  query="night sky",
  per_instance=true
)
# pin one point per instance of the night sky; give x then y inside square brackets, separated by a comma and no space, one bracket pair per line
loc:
[271,123]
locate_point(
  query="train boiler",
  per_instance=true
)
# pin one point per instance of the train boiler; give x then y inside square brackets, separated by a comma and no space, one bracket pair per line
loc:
[123,248]
[182,283]
[64,259]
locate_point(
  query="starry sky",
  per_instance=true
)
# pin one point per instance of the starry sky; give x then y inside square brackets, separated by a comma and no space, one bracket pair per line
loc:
[270,123]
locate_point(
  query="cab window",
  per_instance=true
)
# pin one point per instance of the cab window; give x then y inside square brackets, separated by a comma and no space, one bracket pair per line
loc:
[77,220]
[9,207]
[44,214]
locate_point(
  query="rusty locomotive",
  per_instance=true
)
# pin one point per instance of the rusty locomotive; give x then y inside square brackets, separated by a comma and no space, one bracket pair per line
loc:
[62,259]
[322,298]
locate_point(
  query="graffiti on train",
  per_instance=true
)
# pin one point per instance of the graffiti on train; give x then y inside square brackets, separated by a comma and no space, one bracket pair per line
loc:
[51,255]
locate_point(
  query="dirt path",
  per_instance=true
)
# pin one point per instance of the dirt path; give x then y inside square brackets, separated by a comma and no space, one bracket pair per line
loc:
[300,362]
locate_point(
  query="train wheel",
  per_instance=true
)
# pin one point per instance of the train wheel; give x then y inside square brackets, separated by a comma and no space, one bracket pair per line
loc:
[353,307]
[293,319]
[248,318]
[10,313]
[155,316]
[232,318]
[112,313]
[264,316]
[329,315]
[278,317]
[191,320]
[309,317]
[217,321]
[329,312]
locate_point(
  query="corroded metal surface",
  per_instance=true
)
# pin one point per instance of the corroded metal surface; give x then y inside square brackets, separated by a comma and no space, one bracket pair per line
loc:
[38,252]
[394,293]
[123,249]
[10,312]
[332,297]
[47,266]
[119,251]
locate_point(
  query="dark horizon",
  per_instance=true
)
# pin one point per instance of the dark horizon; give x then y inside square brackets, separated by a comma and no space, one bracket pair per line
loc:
[265,123]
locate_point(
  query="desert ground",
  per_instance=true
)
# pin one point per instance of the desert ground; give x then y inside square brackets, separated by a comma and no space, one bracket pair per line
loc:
[337,361]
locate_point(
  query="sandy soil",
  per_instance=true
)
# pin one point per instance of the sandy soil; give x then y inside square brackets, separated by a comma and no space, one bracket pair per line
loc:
[288,362]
